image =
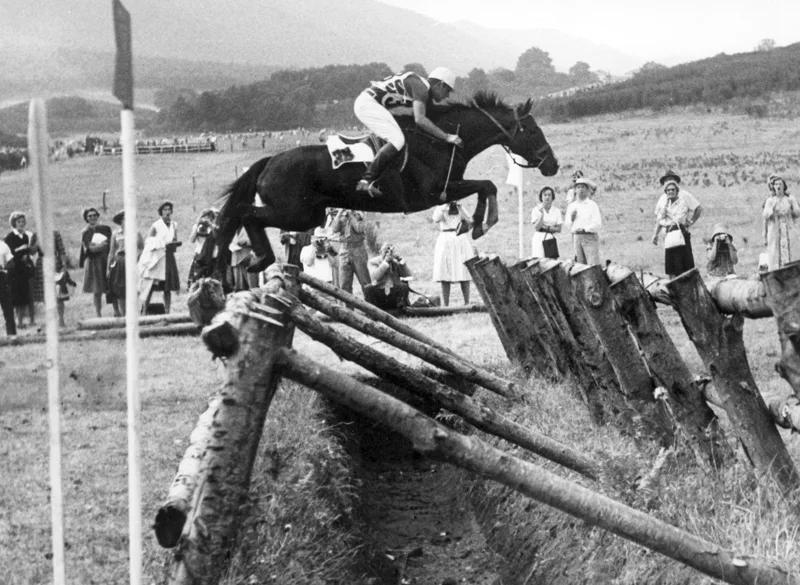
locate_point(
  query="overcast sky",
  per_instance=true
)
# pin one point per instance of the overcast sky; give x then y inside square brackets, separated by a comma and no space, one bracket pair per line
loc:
[646,29]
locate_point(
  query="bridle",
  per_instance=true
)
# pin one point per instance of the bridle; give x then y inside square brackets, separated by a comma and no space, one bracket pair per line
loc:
[518,127]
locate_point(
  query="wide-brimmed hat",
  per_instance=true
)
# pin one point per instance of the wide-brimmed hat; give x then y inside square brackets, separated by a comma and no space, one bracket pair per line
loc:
[319,233]
[670,176]
[119,217]
[588,182]
[164,204]
[721,228]
[87,211]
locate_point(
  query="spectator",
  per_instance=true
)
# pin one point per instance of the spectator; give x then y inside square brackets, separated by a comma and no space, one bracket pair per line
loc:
[674,215]
[779,215]
[204,238]
[241,254]
[388,289]
[334,240]
[451,250]
[6,265]
[158,269]
[94,257]
[692,204]
[318,257]
[722,254]
[63,279]
[23,269]
[547,220]
[293,242]
[571,191]
[353,253]
[585,221]
[116,264]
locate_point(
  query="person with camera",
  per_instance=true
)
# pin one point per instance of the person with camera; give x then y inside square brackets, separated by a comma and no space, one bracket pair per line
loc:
[388,289]
[722,254]
[318,257]
[351,228]
[204,238]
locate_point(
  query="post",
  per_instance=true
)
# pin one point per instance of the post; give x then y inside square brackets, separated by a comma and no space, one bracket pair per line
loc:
[782,296]
[521,219]
[42,211]
[469,452]
[718,340]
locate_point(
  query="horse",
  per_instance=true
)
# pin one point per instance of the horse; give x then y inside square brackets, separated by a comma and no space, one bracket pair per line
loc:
[297,185]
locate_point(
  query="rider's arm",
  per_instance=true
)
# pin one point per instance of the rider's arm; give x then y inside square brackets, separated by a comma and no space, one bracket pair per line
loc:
[422,120]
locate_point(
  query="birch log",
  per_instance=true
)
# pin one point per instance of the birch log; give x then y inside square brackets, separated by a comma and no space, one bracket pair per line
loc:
[435,440]
[718,339]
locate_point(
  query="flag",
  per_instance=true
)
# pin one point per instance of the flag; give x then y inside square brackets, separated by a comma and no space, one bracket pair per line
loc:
[123,72]
[514,170]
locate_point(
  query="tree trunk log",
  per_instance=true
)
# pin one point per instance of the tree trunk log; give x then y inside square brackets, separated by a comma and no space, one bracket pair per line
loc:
[437,441]
[695,418]
[430,354]
[489,295]
[605,395]
[482,417]
[372,311]
[593,292]
[443,311]
[718,340]
[783,296]
[224,446]
[205,300]
[144,332]
[98,323]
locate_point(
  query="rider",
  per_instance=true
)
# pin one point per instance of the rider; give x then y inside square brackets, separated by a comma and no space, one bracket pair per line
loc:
[400,95]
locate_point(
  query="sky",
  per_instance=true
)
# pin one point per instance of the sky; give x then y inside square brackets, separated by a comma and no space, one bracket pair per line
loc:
[653,31]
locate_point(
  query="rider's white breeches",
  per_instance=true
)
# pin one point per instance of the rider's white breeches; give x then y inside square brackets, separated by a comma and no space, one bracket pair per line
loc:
[378,119]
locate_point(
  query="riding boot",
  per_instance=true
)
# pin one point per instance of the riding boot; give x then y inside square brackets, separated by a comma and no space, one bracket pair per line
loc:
[376,168]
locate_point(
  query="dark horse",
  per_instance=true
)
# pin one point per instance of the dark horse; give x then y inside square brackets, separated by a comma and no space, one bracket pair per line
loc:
[297,185]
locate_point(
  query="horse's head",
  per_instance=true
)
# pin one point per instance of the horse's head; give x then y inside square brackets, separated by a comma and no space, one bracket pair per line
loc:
[528,141]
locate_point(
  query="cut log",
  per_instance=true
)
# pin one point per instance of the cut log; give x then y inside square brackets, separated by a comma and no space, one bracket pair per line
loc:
[696,420]
[216,474]
[783,296]
[593,292]
[153,331]
[435,440]
[718,340]
[144,321]
[369,310]
[605,395]
[443,311]
[482,417]
[488,293]
[205,300]
[430,354]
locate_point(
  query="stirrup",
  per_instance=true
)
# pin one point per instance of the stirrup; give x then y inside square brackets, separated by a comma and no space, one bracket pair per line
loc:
[370,188]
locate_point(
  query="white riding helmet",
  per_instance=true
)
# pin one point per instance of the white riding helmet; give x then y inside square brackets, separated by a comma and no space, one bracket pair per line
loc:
[445,75]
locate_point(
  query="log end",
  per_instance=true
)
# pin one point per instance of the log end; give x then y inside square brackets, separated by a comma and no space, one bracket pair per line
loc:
[169,526]
[221,339]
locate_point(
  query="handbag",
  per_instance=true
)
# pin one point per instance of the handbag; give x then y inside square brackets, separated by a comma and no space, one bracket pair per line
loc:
[674,239]
[550,246]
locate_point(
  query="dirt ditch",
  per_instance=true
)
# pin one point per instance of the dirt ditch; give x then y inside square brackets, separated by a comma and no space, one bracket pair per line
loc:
[419,524]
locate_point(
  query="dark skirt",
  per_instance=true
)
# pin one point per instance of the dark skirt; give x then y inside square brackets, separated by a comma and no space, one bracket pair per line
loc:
[116,278]
[679,259]
[172,281]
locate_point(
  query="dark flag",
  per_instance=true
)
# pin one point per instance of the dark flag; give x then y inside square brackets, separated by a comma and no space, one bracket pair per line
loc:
[123,72]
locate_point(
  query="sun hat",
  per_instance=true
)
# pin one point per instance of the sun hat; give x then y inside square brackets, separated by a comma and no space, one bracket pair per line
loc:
[588,182]
[670,175]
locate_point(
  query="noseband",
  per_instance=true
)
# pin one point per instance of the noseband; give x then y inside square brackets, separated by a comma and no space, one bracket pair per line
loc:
[541,152]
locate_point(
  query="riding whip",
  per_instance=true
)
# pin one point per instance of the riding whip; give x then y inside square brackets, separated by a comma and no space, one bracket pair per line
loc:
[443,196]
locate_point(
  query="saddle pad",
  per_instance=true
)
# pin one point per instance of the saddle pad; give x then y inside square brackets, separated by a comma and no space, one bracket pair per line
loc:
[342,153]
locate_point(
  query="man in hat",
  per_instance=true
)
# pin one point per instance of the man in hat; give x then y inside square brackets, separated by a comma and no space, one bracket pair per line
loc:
[389,289]
[351,228]
[578,174]
[583,216]
[407,94]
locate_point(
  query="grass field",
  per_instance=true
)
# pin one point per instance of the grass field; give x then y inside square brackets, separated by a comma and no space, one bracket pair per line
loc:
[724,161]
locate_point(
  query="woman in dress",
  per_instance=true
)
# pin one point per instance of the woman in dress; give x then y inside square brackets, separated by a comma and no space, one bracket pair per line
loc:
[674,216]
[116,264]
[158,268]
[94,257]
[451,250]
[23,270]
[547,220]
[779,215]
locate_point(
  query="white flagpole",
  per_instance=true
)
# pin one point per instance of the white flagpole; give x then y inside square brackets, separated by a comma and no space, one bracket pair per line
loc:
[520,193]
[132,346]
[42,211]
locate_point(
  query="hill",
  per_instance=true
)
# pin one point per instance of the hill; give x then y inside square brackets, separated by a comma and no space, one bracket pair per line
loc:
[750,78]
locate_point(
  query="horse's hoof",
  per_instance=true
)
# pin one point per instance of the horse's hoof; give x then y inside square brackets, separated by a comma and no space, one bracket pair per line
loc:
[477,231]
[259,264]
[462,227]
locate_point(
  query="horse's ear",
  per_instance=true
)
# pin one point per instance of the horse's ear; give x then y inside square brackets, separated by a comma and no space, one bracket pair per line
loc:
[525,108]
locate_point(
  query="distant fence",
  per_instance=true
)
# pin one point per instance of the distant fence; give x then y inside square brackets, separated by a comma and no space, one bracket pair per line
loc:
[161,148]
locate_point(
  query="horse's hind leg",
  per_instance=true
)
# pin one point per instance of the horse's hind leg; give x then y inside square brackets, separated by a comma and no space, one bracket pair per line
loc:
[261,246]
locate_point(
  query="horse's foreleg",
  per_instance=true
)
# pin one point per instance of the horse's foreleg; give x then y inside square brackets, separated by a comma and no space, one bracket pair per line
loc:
[487,193]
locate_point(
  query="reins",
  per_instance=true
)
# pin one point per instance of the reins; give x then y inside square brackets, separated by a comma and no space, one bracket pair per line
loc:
[511,135]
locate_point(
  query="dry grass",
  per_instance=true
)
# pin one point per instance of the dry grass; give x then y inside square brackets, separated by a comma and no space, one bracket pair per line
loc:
[301,468]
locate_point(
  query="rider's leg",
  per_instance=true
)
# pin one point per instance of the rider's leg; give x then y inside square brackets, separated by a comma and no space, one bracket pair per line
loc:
[376,168]
[378,119]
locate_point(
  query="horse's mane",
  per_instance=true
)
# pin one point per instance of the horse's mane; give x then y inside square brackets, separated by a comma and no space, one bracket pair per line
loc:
[484,99]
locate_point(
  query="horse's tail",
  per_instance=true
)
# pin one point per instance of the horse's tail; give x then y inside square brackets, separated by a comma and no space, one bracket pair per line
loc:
[241,192]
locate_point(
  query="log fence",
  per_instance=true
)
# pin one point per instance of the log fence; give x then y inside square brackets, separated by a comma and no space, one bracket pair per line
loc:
[599,327]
